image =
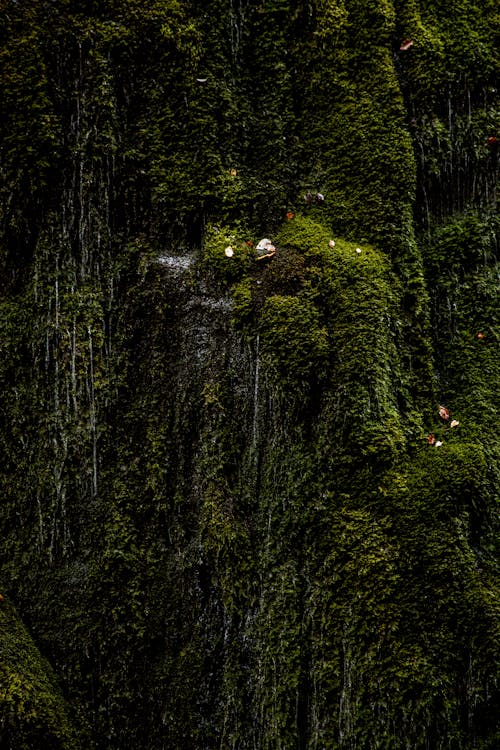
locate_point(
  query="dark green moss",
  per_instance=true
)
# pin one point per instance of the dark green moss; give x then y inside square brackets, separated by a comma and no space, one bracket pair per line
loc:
[33,711]
[221,515]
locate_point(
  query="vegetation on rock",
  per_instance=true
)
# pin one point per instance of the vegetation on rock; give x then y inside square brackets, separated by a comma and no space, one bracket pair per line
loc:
[249,501]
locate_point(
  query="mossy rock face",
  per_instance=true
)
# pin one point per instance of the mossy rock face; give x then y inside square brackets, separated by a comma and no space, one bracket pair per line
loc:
[341,305]
[32,709]
[226,257]
[232,516]
[293,340]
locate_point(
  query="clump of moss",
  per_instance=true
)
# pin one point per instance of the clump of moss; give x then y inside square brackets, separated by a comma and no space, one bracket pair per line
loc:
[294,340]
[305,235]
[32,710]
[225,257]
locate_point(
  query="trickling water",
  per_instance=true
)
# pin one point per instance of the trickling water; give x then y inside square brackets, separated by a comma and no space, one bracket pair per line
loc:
[60,445]
[176,262]
[93,424]
[427,213]
[109,338]
[40,519]
[81,222]
[72,337]
[56,338]
[345,710]
[47,343]
[256,393]
[450,112]
[235,21]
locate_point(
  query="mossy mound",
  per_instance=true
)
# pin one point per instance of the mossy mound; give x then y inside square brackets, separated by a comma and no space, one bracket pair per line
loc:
[32,709]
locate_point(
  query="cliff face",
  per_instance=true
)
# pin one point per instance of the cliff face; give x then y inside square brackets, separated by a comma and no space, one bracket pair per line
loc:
[232,514]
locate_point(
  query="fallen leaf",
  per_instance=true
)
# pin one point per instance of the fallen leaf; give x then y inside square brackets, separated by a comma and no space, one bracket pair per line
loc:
[405,45]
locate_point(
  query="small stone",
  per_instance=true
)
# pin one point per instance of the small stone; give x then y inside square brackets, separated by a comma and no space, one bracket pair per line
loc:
[229,251]
[264,244]
[265,249]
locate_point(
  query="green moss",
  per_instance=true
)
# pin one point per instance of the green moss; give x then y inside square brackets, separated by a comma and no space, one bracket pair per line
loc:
[226,527]
[32,708]
[305,235]
[294,342]
[242,302]
[225,257]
